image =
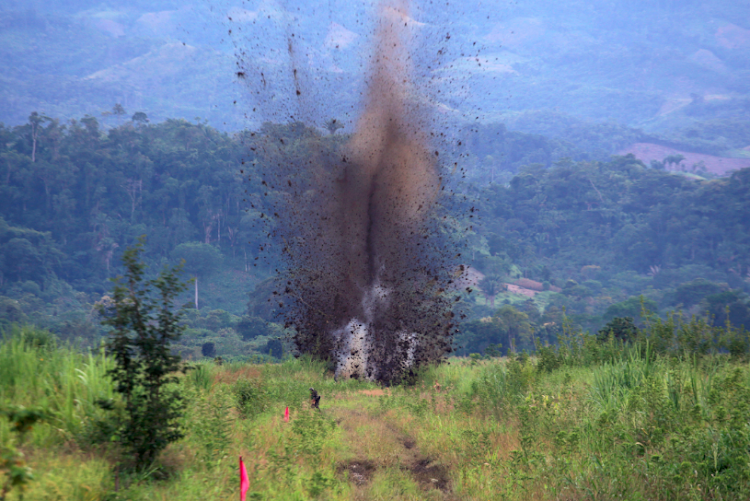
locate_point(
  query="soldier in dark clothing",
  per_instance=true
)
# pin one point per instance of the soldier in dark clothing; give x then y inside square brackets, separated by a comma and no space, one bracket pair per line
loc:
[314,399]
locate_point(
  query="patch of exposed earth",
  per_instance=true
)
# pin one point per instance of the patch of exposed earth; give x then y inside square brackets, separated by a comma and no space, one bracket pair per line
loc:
[646,152]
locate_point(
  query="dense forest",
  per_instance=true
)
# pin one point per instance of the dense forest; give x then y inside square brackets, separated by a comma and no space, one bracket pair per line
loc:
[602,233]
[557,232]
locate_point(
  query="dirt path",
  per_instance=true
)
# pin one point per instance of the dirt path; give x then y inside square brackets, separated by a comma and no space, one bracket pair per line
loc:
[381,448]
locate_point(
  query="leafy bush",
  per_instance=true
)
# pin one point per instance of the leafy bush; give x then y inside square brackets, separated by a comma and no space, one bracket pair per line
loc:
[143,328]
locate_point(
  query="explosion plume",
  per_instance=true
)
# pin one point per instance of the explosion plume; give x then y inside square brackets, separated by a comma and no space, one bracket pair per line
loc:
[367,276]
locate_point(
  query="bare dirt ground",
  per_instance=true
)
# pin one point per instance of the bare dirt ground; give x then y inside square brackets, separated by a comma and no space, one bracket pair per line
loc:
[646,152]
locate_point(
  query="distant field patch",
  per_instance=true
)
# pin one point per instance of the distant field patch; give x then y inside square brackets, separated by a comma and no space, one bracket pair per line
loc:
[646,152]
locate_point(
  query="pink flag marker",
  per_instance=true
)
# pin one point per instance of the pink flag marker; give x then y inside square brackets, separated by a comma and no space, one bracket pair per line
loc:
[244,482]
[286,415]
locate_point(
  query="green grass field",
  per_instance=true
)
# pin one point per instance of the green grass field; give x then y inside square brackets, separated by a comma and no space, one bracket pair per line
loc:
[637,426]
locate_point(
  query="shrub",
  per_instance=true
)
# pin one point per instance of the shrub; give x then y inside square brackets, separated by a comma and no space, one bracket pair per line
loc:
[143,328]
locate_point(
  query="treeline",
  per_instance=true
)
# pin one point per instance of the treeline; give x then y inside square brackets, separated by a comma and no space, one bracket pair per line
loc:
[93,191]
[73,196]
[593,234]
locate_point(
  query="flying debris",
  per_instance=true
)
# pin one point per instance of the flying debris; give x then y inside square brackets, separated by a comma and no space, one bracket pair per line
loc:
[369,271]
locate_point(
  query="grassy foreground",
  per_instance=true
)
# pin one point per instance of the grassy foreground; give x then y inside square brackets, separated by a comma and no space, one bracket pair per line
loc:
[637,426]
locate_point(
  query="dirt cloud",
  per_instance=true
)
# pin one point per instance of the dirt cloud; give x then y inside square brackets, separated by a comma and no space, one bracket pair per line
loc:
[359,223]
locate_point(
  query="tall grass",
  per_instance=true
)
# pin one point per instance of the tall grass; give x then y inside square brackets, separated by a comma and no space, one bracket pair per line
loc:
[606,421]
[35,372]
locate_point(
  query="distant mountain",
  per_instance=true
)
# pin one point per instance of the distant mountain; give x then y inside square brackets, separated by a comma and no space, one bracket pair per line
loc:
[652,65]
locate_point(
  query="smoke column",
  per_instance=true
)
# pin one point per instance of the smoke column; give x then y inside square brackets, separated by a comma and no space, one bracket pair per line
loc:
[367,277]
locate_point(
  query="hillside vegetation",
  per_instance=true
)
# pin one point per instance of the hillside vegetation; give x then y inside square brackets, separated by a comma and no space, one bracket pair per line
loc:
[592,235]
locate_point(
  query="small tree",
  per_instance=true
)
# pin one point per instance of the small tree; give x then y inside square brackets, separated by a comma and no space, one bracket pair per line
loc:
[35,121]
[143,327]
[333,125]
[674,159]
[140,118]
[119,112]
[622,328]
[491,286]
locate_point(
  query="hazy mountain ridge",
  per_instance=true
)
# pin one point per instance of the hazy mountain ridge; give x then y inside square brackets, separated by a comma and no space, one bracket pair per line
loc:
[658,67]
